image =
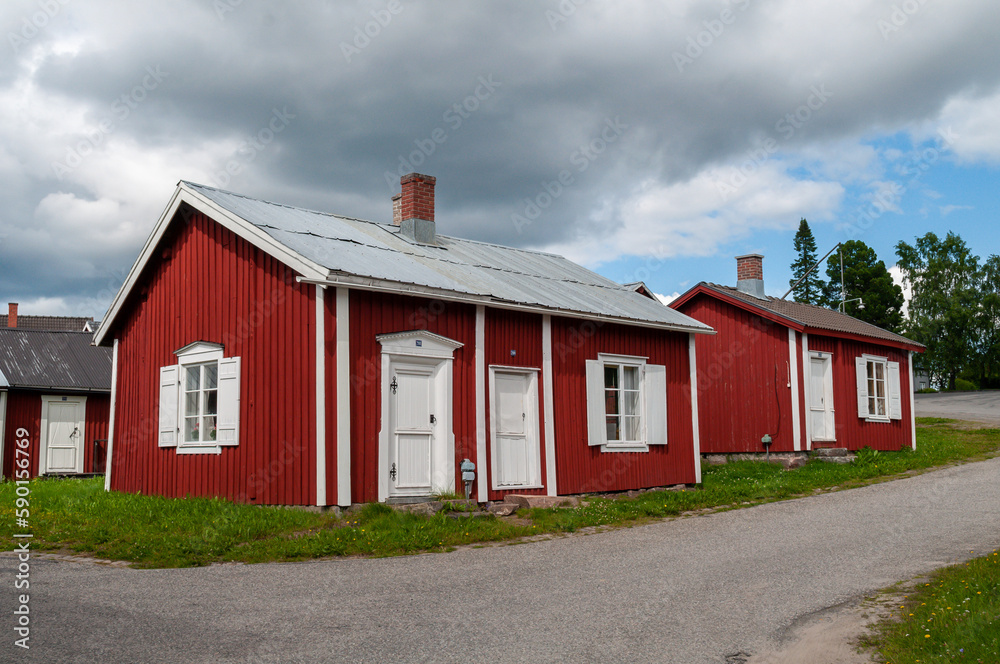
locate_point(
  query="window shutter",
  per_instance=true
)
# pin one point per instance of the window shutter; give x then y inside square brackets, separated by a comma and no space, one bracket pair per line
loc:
[169,382]
[895,397]
[656,404]
[596,423]
[861,367]
[228,423]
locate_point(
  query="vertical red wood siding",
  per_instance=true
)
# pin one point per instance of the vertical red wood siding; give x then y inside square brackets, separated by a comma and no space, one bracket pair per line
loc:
[24,410]
[584,469]
[207,284]
[95,428]
[743,380]
[508,331]
[381,313]
[852,431]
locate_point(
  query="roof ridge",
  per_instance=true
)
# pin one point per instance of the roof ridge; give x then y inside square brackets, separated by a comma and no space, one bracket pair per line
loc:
[368,221]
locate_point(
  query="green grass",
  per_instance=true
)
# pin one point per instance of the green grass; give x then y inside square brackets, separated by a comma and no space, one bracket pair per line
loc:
[78,516]
[955,617]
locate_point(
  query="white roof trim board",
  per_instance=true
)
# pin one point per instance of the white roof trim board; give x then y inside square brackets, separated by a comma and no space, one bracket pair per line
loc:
[330,249]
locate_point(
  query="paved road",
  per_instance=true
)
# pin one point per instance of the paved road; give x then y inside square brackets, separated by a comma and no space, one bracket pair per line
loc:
[975,406]
[688,591]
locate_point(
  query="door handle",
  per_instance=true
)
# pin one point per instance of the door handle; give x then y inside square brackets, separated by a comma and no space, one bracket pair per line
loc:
[433,419]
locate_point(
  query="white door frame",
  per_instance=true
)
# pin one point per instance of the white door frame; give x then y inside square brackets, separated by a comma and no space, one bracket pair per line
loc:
[532,428]
[43,445]
[828,403]
[420,347]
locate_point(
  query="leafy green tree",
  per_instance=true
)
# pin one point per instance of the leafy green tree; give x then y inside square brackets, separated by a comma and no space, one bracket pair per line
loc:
[811,288]
[865,277]
[989,323]
[943,312]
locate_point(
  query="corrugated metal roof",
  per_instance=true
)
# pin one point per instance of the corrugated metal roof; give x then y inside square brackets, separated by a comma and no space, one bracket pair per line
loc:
[817,317]
[39,359]
[517,276]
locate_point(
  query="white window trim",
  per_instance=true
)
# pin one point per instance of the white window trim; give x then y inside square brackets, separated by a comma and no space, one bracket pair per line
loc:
[535,481]
[200,352]
[884,361]
[655,421]
[632,361]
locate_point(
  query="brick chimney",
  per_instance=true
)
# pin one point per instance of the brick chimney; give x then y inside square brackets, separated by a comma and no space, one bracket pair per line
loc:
[12,314]
[416,207]
[750,275]
[397,209]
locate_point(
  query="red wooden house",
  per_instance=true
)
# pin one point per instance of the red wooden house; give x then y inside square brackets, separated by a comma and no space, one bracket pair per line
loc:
[804,375]
[55,394]
[276,355]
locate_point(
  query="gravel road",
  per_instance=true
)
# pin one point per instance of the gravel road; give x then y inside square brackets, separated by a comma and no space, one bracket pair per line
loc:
[974,406]
[689,590]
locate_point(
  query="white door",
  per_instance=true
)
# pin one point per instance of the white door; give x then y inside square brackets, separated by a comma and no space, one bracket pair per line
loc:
[821,398]
[515,430]
[63,435]
[412,427]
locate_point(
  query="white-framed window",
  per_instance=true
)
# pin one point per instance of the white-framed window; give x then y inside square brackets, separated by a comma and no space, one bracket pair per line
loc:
[200,400]
[879,398]
[626,403]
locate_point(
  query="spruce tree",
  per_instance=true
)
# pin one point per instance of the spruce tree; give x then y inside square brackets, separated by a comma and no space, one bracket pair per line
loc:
[810,290]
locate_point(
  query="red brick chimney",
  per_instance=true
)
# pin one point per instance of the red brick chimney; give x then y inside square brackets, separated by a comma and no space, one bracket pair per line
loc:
[416,207]
[12,314]
[750,275]
[417,201]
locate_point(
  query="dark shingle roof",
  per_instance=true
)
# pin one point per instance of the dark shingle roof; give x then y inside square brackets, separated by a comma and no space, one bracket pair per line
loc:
[50,323]
[812,316]
[37,359]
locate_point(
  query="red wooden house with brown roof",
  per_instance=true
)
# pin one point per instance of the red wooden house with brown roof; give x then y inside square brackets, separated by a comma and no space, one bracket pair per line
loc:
[804,375]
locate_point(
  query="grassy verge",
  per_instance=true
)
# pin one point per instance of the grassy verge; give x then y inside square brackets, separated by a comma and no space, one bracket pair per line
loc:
[78,516]
[955,617]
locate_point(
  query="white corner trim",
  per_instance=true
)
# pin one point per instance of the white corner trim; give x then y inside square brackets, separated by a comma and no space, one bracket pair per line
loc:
[913,412]
[793,368]
[695,429]
[108,455]
[482,482]
[321,499]
[343,397]
[806,369]
[549,427]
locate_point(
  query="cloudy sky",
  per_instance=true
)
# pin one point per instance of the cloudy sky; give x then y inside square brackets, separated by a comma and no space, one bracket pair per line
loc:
[649,141]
